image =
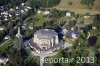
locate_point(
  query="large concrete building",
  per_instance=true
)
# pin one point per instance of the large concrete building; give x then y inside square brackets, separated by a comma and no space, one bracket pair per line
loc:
[45,39]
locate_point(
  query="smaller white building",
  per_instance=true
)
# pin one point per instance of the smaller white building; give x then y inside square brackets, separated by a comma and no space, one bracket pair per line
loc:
[93,27]
[22,4]
[11,9]
[3,60]
[31,27]
[74,36]
[68,14]
[17,7]
[5,19]
[22,11]
[5,16]
[1,28]
[64,31]
[39,11]
[4,13]
[28,7]
[86,16]
[7,37]
[10,15]
[72,29]
[46,12]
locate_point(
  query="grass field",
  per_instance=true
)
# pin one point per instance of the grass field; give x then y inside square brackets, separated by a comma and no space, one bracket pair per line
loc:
[40,19]
[77,7]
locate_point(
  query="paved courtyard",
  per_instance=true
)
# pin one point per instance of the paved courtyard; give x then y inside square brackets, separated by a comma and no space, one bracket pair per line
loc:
[46,54]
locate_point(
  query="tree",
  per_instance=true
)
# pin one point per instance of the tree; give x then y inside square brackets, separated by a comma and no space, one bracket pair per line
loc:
[30,62]
[12,33]
[27,34]
[87,2]
[59,54]
[44,3]
[57,64]
[70,24]
[96,22]
[1,36]
[19,24]
[10,25]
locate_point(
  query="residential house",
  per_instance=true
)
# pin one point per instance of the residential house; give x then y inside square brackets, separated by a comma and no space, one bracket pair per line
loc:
[88,20]
[30,26]
[3,60]
[2,28]
[43,11]
[7,37]
[68,14]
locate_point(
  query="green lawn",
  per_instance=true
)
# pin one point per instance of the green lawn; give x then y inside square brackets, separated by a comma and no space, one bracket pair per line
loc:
[94,32]
[76,7]
[5,46]
[40,19]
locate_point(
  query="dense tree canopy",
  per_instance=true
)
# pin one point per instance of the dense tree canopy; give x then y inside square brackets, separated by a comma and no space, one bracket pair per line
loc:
[34,3]
[16,2]
[87,2]
[44,3]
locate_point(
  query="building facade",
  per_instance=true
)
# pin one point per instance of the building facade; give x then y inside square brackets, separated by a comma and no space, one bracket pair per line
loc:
[45,39]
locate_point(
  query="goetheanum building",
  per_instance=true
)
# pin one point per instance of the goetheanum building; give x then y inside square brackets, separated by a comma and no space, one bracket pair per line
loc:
[45,40]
